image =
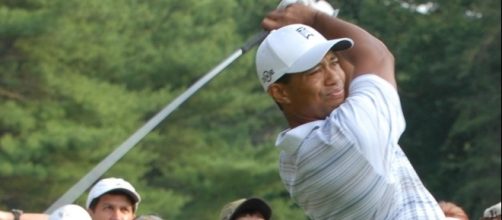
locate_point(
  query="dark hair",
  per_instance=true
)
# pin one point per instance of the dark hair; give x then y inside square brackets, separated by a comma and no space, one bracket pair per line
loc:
[284,79]
[131,200]
[453,210]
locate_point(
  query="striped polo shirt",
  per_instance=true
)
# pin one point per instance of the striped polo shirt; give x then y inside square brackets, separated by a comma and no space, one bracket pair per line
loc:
[350,166]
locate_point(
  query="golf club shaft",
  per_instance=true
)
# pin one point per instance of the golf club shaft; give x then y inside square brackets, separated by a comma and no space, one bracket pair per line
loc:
[85,182]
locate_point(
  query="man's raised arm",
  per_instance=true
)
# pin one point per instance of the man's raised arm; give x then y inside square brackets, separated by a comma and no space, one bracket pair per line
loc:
[369,54]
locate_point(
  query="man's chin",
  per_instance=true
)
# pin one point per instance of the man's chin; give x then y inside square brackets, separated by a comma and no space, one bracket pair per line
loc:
[335,105]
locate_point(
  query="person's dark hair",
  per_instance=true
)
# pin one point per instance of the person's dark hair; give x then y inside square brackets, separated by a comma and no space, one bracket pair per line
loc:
[284,79]
[247,212]
[95,201]
[453,210]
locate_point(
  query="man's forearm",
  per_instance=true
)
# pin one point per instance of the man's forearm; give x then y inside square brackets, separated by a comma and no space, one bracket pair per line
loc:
[369,54]
[27,216]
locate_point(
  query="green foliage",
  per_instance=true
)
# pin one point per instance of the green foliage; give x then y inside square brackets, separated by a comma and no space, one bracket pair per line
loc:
[78,77]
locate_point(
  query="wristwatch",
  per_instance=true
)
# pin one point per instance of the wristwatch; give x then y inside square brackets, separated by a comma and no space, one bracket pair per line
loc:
[17,213]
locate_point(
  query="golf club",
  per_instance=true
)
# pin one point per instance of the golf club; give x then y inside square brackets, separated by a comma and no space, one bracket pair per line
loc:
[85,182]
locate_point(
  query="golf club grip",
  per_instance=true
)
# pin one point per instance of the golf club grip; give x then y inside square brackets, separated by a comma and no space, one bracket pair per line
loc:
[254,40]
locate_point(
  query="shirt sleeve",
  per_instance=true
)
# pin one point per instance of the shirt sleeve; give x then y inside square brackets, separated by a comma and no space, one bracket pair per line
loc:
[372,117]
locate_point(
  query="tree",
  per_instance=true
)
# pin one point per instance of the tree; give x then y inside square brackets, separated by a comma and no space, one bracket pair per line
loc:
[78,77]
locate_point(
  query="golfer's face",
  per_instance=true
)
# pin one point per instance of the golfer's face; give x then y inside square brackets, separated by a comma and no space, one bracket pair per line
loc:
[113,207]
[318,91]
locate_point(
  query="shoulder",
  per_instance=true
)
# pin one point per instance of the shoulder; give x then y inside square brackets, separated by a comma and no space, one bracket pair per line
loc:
[369,81]
[371,94]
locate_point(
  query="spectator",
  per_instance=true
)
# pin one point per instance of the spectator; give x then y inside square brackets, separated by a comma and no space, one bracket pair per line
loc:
[246,209]
[492,213]
[452,211]
[112,198]
[70,212]
[148,217]
[109,198]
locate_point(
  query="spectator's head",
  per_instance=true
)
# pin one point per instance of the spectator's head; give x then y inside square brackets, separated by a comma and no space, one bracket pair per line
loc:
[148,217]
[249,209]
[112,197]
[452,211]
[70,212]
[492,213]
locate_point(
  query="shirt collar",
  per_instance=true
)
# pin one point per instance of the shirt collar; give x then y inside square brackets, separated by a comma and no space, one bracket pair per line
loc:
[290,139]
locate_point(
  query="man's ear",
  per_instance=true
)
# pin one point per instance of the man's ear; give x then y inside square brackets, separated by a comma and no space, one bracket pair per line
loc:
[279,93]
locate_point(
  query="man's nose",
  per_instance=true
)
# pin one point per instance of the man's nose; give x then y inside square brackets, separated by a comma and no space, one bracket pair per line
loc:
[116,215]
[331,77]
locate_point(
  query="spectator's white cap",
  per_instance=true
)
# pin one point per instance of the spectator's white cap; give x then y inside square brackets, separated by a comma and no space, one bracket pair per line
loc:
[492,211]
[292,49]
[70,212]
[112,184]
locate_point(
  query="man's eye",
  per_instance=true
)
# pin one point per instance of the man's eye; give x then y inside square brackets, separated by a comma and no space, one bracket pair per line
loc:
[334,60]
[314,70]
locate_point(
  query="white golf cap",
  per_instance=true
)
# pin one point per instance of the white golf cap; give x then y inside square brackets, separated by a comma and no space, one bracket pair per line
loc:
[112,184]
[292,49]
[70,212]
[493,211]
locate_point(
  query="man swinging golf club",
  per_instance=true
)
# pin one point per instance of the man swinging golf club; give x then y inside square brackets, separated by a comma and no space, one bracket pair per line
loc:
[340,157]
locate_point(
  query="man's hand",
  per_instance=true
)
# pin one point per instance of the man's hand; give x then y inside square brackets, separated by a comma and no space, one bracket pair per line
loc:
[297,12]
[319,5]
[286,3]
[292,14]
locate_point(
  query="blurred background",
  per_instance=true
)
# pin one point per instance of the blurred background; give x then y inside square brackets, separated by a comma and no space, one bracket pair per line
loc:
[79,77]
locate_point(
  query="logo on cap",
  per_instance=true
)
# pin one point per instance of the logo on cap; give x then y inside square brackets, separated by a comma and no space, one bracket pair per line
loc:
[304,32]
[267,75]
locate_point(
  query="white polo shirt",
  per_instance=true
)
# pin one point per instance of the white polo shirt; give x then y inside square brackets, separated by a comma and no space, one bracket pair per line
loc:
[350,165]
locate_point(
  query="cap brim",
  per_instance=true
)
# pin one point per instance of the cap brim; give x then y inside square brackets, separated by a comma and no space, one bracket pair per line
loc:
[135,196]
[253,204]
[314,56]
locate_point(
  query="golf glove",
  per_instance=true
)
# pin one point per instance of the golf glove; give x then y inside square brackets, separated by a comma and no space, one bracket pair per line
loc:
[320,5]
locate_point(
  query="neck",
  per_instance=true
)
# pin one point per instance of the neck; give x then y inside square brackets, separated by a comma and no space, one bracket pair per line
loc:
[295,120]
